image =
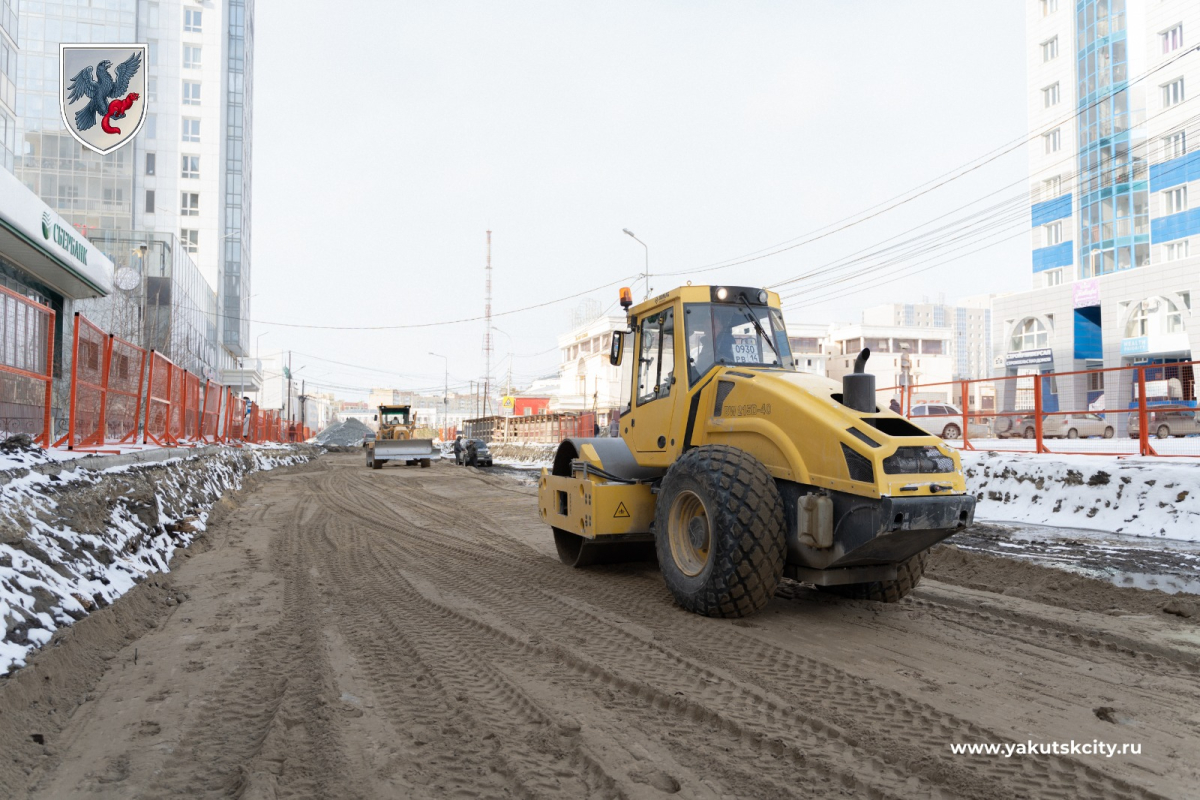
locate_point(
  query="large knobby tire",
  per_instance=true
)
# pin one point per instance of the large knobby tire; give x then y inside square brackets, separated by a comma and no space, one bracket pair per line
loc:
[908,575]
[719,532]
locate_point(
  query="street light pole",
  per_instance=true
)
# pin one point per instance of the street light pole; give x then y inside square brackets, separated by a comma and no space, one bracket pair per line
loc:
[646,275]
[445,391]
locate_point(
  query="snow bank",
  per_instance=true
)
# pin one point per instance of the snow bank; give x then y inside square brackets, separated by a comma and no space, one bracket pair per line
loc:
[1137,496]
[526,454]
[73,540]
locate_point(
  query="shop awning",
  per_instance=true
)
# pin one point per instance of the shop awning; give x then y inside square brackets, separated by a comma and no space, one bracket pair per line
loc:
[39,241]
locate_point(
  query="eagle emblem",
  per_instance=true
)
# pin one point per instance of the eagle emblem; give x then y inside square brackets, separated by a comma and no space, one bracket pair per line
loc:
[95,96]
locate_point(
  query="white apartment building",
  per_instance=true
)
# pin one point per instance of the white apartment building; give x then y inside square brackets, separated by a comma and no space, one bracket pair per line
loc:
[970,321]
[1115,173]
[810,346]
[927,350]
[586,380]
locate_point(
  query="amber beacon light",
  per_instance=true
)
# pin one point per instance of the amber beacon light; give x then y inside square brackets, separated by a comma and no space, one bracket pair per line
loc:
[626,297]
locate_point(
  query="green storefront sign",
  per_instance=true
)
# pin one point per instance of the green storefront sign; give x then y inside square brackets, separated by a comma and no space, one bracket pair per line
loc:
[63,239]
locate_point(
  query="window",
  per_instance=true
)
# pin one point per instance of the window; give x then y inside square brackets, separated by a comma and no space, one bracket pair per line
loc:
[1154,316]
[1053,140]
[1172,39]
[657,361]
[189,204]
[1172,93]
[1175,200]
[191,167]
[1049,7]
[149,163]
[1174,145]
[191,93]
[190,239]
[1176,250]
[191,130]
[149,201]
[192,18]
[152,90]
[191,57]
[1054,277]
[1029,335]
[152,52]
[1052,187]
[1050,49]
[1052,234]
[1049,96]
[150,129]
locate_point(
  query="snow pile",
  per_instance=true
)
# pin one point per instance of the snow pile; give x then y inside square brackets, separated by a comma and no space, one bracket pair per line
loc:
[344,434]
[1138,496]
[528,454]
[75,541]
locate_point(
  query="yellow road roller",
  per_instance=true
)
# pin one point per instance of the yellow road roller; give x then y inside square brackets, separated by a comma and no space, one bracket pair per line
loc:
[736,470]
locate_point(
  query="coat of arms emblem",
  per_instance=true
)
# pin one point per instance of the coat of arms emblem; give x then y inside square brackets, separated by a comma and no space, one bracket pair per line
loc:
[102,93]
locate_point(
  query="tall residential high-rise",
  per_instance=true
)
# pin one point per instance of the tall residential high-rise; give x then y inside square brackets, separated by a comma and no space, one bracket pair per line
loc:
[1111,102]
[174,206]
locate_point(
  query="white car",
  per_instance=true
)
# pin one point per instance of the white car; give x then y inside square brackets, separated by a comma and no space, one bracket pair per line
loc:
[945,420]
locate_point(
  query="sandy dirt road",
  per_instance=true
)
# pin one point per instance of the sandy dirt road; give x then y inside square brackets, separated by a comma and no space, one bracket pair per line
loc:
[350,633]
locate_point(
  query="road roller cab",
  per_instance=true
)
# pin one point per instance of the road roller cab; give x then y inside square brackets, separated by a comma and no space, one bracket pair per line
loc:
[736,469]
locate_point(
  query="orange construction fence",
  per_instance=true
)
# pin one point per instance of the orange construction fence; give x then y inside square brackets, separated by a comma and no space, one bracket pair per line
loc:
[1140,410]
[106,388]
[125,377]
[26,366]
[210,414]
[162,391]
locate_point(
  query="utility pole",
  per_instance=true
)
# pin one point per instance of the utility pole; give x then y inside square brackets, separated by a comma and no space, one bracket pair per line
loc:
[302,399]
[487,335]
[289,386]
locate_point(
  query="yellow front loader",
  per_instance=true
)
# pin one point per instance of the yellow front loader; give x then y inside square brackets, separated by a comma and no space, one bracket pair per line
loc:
[396,440]
[737,470]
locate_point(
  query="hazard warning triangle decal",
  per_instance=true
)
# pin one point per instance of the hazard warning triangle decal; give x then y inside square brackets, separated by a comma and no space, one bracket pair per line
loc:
[622,511]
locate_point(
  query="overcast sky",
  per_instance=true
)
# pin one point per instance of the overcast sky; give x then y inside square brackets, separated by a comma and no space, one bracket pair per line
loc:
[389,136]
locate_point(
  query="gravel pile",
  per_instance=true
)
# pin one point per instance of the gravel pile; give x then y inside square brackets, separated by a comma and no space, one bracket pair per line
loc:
[344,434]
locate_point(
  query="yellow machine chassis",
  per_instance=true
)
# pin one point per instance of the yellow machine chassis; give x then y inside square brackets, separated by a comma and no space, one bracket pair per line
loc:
[594,509]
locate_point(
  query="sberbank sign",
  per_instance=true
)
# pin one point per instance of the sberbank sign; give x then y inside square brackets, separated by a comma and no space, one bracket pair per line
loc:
[63,238]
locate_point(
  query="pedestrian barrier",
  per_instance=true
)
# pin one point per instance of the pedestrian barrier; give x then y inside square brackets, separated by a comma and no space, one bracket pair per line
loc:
[235,419]
[89,366]
[26,367]
[210,415]
[124,381]
[191,408]
[161,393]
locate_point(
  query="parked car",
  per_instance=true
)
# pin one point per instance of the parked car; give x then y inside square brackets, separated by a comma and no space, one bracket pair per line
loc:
[945,420]
[1165,424]
[483,456]
[1077,426]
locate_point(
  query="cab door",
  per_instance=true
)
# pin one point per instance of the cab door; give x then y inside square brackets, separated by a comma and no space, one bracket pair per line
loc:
[658,385]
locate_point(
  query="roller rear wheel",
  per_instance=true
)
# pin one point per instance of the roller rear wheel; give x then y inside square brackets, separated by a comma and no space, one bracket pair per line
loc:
[719,532]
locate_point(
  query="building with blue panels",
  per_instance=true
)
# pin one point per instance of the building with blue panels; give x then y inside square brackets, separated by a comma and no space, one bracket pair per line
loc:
[1114,158]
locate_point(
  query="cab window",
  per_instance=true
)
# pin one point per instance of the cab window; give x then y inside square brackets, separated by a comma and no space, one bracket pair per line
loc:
[656,357]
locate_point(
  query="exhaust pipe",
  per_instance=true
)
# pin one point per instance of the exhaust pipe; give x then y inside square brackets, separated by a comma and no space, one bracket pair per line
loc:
[858,388]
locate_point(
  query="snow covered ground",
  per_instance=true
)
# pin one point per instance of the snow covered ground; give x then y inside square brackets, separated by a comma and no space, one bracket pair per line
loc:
[76,536]
[1139,496]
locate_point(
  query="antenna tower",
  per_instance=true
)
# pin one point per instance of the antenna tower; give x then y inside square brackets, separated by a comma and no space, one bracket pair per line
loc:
[487,334]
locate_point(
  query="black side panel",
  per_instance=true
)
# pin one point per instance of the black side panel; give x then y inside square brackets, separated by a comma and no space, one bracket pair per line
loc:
[693,410]
[723,390]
